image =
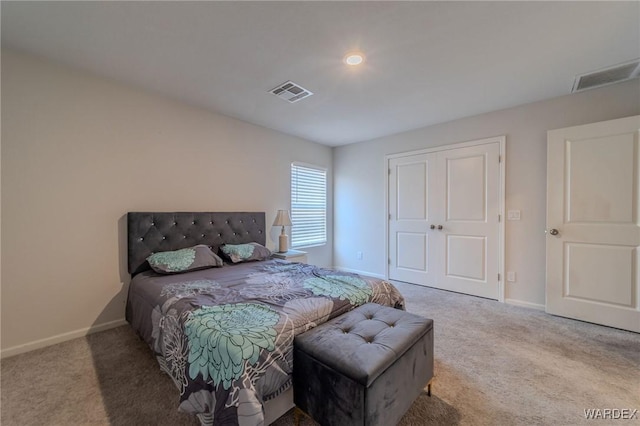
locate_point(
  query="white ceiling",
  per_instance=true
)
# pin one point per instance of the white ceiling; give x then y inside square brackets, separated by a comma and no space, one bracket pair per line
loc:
[427,62]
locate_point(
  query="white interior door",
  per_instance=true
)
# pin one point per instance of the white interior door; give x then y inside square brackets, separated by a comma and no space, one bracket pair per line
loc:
[444,227]
[412,255]
[593,224]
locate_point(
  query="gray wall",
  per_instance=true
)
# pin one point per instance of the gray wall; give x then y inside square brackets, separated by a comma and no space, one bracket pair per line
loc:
[360,179]
[78,152]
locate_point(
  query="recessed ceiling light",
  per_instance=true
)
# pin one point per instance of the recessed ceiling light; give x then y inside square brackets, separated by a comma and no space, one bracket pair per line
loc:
[354,58]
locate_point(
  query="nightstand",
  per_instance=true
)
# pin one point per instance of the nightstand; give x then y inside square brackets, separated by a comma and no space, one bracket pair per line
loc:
[292,255]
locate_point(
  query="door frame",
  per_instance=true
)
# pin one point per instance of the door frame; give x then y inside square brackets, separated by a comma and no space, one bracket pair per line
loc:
[501,140]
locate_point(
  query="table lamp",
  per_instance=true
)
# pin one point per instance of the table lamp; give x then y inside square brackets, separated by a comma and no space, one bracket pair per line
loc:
[283,219]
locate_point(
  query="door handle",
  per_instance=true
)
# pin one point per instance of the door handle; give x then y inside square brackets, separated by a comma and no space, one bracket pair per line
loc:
[553,231]
[439,227]
[432,227]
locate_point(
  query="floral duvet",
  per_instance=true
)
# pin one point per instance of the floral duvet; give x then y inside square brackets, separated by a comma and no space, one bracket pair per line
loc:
[225,335]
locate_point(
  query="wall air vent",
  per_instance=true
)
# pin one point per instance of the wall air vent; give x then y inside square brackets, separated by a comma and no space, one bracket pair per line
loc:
[605,76]
[291,92]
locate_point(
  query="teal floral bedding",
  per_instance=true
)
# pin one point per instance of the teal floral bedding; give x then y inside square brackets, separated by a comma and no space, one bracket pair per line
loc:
[225,335]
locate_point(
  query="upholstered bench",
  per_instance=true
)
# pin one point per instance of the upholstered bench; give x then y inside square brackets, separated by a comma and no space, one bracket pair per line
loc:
[365,367]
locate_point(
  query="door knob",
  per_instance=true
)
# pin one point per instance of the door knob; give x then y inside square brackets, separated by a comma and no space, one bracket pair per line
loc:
[554,231]
[439,227]
[432,227]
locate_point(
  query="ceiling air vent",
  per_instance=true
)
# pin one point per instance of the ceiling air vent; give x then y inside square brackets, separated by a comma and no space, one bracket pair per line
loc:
[291,92]
[609,75]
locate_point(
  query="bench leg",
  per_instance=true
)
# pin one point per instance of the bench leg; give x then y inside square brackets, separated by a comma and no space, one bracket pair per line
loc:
[428,391]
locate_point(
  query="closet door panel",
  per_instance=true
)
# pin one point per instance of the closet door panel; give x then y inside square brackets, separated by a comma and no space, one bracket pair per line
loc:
[470,179]
[412,254]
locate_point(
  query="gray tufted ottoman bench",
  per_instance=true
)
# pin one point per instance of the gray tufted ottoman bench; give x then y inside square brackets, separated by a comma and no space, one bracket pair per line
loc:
[365,367]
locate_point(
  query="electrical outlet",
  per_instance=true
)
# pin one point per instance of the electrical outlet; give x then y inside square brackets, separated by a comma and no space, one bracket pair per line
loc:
[359,255]
[511,276]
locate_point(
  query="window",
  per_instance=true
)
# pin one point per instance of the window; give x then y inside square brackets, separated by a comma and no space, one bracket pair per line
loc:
[308,205]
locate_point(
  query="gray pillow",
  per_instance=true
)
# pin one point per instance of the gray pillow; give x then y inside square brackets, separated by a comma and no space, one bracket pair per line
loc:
[244,252]
[184,260]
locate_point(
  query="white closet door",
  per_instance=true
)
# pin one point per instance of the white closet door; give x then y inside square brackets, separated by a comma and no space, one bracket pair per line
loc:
[470,178]
[412,185]
[593,201]
[443,222]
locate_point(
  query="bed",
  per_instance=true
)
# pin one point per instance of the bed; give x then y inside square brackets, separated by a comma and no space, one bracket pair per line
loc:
[225,334]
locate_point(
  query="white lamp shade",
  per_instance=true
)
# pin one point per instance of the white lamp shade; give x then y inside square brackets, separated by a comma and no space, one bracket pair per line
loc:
[282,218]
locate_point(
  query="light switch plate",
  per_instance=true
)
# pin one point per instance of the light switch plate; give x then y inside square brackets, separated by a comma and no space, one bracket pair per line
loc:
[511,276]
[513,215]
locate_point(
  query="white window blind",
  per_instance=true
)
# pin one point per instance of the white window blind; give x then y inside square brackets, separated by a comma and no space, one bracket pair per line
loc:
[308,205]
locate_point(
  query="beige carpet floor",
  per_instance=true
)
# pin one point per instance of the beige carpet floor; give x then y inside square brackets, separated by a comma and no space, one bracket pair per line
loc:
[496,364]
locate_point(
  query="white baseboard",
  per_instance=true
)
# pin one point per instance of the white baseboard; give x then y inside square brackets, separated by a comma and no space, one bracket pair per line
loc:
[355,271]
[42,343]
[525,304]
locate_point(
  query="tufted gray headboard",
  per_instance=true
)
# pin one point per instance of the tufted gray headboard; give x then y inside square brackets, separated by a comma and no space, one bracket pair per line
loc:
[150,232]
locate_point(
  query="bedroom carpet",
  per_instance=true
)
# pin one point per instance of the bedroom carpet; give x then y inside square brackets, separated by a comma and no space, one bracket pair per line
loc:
[495,364]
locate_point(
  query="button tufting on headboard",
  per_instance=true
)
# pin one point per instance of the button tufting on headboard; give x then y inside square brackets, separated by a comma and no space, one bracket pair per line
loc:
[150,232]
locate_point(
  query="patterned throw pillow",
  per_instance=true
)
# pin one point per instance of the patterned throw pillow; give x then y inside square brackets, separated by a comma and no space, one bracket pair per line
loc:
[184,260]
[244,252]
